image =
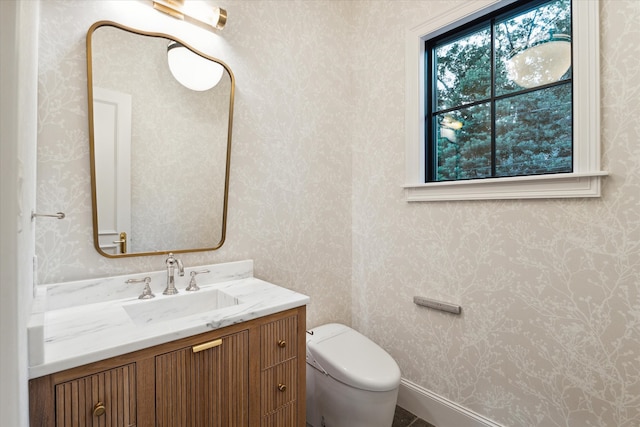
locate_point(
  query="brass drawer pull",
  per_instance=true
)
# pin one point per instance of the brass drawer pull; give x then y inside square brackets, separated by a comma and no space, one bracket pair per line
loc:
[98,409]
[207,345]
[282,343]
[282,387]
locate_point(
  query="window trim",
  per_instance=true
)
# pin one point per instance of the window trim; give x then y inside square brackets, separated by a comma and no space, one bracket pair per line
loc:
[584,181]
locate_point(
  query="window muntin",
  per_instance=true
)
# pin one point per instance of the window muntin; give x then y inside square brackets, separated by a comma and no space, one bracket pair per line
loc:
[516,126]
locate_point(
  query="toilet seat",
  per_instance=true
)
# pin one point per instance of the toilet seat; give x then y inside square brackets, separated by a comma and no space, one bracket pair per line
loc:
[351,358]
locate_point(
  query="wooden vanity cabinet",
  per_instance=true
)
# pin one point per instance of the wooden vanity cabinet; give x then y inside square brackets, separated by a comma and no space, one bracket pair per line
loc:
[249,374]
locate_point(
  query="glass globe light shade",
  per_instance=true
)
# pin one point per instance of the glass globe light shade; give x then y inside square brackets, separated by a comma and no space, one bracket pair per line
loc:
[192,70]
[541,64]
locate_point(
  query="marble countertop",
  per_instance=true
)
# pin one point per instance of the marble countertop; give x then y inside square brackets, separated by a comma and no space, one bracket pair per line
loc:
[83,322]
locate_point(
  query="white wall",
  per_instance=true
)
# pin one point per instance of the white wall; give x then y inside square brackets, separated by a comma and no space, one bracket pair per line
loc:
[549,334]
[18,103]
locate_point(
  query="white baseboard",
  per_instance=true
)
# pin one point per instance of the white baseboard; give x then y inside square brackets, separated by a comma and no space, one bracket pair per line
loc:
[436,409]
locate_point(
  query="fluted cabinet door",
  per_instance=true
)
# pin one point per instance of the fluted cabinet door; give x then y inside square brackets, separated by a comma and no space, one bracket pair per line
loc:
[207,387]
[105,399]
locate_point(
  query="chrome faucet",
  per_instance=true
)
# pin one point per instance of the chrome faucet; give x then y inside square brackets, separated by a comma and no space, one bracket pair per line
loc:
[172,264]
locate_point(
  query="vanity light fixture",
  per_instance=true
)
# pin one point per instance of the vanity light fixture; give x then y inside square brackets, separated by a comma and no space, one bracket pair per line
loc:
[192,70]
[197,12]
[542,63]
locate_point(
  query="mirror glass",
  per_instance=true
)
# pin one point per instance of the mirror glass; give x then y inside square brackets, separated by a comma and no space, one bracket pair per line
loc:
[160,152]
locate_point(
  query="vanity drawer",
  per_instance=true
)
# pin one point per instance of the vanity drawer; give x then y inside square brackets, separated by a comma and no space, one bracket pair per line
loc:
[107,398]
[279,386]
[283,417]
[278,340]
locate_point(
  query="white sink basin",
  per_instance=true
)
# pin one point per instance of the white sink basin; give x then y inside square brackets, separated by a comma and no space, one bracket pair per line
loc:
[169,307]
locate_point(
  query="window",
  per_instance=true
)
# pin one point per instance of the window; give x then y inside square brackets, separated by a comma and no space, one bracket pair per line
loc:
[499,96]
[493,122]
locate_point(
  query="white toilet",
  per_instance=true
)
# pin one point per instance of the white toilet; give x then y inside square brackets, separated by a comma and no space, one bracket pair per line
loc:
[351,381]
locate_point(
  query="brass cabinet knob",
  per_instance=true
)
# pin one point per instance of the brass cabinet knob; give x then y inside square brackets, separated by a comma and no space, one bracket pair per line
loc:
[98,409]
[282,387]
[282,343]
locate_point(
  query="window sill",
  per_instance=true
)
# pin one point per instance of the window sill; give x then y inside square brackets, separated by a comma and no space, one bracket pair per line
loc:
[567,185]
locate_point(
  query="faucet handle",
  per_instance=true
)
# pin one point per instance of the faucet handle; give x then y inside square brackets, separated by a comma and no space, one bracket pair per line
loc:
[146,292]
[193,286]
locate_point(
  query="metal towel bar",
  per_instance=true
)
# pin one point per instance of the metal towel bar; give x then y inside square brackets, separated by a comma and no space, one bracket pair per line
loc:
[437,305]
[59,215]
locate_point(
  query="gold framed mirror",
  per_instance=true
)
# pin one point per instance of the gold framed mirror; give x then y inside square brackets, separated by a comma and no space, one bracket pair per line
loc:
[160,152]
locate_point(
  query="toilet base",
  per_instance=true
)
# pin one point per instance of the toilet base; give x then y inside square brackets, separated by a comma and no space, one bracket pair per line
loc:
[331,403]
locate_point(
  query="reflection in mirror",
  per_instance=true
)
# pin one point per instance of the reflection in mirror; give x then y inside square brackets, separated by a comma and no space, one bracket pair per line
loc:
[160,152]
[192,70]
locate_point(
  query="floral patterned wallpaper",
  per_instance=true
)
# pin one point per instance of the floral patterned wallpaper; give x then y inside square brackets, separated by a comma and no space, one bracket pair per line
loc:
[550,289]
[290,188]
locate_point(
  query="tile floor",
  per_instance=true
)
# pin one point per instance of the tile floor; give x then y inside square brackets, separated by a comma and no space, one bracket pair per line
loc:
[404,418]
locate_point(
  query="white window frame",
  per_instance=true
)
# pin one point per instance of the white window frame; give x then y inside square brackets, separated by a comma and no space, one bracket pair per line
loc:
[584,181]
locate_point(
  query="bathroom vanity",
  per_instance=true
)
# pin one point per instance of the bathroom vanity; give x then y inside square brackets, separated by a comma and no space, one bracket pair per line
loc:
[239,364]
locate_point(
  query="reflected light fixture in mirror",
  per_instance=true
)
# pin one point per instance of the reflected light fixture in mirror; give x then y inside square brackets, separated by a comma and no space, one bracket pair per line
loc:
[543,63]
[192,70]
[194,11]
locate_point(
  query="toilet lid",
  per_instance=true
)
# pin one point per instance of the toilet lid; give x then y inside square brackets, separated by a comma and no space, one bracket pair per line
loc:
[351,358]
